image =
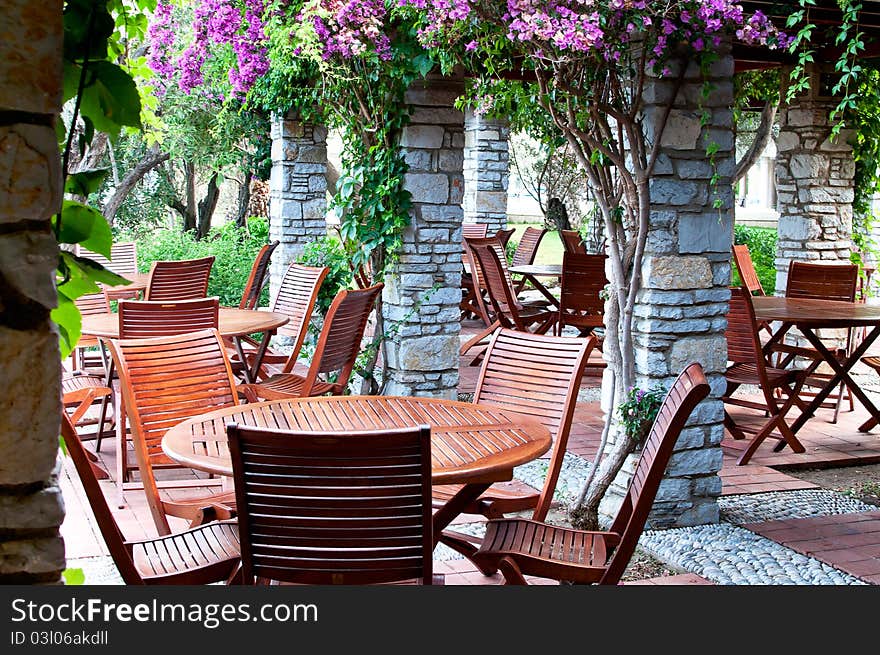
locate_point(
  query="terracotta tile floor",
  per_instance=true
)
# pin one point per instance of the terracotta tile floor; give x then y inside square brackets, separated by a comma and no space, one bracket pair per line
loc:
[850,542]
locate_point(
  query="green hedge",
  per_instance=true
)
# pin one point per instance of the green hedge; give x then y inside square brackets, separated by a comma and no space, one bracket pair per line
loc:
[234,250]
[762,246]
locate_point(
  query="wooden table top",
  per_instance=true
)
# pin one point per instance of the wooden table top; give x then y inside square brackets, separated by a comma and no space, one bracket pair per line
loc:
[537,269]
[469,442]
[815,313]
[137,282]
[232,322]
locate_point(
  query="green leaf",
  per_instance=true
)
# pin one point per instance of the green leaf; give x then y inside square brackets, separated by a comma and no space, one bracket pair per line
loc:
[85,183]
[423,64]
[74,576]
[86,226]
[95,272]
[69,321]
[110,98]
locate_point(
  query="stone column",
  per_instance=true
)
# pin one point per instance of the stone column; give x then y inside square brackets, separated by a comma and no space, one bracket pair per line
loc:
[422,294]
[486,167]
[814,183]
[31,507]
[297,191]
[681,307]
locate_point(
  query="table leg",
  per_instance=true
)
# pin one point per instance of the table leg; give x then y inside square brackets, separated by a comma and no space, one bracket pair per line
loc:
[251,373]
[841,374]
[541,288]
[460,543]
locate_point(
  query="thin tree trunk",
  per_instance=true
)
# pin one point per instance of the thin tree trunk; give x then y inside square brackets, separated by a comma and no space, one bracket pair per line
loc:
[189,213]
[207,205]
[152,159]
[244,200]
[762,138]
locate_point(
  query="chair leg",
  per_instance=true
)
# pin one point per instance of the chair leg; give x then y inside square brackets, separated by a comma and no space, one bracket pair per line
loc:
[511,572]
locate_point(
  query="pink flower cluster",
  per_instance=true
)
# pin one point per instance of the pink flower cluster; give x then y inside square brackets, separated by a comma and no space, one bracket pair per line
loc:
[349,28]
[161,36]
[237,23]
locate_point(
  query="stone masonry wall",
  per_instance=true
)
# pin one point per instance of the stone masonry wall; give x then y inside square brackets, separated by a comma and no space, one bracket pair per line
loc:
[814,182]
[486,167]
[297,191]
[31,506]
[421,296]
[680,316]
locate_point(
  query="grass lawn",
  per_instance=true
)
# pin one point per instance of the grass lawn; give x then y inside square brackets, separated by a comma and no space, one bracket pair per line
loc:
[550,248]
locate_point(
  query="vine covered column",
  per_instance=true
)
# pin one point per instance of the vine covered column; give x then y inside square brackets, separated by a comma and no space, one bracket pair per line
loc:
[31,507]
[422,292]
[814,183]
[681,307]
[486,168]
[297,190]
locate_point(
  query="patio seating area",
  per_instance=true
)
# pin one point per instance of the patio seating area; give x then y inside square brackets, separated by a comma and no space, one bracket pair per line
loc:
[766,512]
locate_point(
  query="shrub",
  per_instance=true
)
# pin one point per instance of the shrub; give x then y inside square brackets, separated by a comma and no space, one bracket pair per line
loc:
[328,251]
[234,250]
[762,246]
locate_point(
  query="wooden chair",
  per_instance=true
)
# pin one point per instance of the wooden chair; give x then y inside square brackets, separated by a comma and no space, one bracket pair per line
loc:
[580,300]
[165,381]
[824,282]
[259,276]
[90,304]
[520,547]
[468,301]
[504,236]
[473,230]
[572,241]
[537,376]
[79,392]
[296,299]
[201,555]
[525,252]
[179,280]
[749,366]
[490,264]
[336,352]
[746,269]
[123,261]
[333,508]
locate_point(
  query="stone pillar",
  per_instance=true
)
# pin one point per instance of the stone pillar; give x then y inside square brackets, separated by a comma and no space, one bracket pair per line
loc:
[486,165]
[31,507]
[297,191]
[682,305]
[421,295]
[814,183]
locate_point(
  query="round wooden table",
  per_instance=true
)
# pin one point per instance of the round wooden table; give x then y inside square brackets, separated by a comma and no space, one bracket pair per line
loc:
[137,285]
[809,315]
[232,322]
[532,272]
[472,445]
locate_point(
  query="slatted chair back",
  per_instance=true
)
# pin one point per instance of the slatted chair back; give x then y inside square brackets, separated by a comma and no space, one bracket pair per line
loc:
[89,304]
[746,269]
[179,280]
[259,276]
[473,231]
[167,380]
[822,281]
[538,376]
[296,299]
[527,247]
[743,342]
[341,335]
[572,241]
[583,280]
[689,388]
[123,257]
[504,236]
[333,508]
[494,276]
[202,555]
[142,319]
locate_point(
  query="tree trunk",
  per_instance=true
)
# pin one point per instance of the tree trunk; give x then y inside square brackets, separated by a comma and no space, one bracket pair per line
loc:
[189,210]
[762,138]
[244,200]
[557,215]
[151,159]
[207,205]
